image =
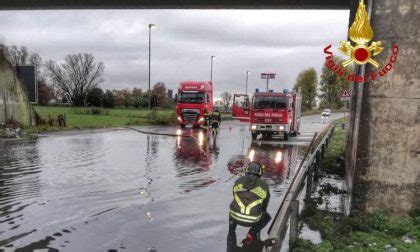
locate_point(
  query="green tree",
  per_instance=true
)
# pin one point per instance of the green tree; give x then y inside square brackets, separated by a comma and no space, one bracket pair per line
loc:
[95,97]
[108,100]
[307,82]
[137,95]
[331,85]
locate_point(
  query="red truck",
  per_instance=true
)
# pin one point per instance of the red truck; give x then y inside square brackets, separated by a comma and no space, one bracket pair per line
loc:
[269,113]
[193,99]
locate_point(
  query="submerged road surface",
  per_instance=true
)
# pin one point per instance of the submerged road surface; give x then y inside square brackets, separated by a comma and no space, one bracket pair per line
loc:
[121,190]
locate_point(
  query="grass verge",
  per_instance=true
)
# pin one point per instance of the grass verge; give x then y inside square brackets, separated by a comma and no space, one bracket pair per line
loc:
[358,232]
[90,117]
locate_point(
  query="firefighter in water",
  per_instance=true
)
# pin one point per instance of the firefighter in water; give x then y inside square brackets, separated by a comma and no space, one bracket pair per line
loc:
[249,206]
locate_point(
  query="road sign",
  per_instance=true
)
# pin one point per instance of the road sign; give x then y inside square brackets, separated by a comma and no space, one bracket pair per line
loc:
[27,76]
[268,75]
[344,95]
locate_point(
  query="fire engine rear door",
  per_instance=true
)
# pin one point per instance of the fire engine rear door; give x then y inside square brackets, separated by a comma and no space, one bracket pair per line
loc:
[240,107]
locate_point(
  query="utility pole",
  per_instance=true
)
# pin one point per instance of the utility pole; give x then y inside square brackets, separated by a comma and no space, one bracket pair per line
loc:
[211,68]
[246,83]
[150,41]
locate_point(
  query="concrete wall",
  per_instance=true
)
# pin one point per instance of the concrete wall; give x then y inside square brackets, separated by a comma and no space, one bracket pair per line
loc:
[14,103]
[383,154]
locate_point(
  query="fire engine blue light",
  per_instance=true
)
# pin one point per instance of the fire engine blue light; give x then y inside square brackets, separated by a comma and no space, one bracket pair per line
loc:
[257,90]
[285,91]
[271,91]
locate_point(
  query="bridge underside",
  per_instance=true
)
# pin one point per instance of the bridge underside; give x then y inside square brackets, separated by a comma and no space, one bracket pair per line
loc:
[175,4]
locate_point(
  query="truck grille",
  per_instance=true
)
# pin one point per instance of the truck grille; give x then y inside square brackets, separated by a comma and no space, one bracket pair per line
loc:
[190,116]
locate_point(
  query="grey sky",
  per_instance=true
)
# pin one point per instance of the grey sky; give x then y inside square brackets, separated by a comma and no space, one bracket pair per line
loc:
[280,41]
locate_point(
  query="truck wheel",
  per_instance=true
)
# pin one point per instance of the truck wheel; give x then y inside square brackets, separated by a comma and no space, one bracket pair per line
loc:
[254,135]
[286,136]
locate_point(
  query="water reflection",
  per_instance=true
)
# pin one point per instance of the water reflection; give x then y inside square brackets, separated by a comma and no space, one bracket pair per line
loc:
[121,189]
[19,187]
[280,161]
[193,159]
[193,150]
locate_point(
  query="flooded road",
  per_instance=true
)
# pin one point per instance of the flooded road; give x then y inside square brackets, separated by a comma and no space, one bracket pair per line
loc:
[121,190]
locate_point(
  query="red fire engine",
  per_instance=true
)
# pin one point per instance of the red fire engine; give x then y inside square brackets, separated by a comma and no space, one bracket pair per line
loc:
[194,98]
[269,113]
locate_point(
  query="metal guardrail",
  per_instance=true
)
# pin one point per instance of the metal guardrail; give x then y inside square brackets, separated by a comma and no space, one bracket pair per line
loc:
[289,208]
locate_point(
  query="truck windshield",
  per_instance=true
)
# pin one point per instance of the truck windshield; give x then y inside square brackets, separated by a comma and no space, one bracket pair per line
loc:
[185,97]
[270,102]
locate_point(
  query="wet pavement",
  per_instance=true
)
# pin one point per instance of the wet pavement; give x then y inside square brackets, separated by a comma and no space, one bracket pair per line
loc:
[120,190]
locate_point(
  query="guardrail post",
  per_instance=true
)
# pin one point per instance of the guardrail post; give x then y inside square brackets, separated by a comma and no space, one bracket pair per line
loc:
[294,221]
[309,181]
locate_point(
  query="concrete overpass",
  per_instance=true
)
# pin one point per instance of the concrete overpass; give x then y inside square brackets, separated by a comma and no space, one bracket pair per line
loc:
[383,150]
[175,4]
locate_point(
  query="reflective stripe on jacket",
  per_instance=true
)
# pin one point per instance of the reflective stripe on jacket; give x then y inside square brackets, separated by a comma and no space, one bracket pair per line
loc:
[251,196]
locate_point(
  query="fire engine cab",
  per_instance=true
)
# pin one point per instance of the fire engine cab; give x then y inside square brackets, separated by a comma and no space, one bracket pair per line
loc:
[269,113]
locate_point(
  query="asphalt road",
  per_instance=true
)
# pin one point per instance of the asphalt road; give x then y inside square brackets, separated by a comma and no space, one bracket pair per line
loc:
[120,190]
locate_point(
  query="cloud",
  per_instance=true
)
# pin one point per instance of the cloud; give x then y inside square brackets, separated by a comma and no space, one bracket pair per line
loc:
[281,41]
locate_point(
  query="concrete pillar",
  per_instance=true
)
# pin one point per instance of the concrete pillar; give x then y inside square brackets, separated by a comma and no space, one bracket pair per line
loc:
[383,150]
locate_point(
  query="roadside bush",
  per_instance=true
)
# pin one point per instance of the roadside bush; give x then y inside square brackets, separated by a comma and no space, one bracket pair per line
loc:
[90,111]
[96,111]
[159,119]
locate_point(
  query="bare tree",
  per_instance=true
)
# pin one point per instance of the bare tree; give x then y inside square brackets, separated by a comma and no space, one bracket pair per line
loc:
[17,56]
[76,76]
[36,60]
[226,98]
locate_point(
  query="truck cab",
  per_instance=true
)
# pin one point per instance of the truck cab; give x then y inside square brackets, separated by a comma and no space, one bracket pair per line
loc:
[194,99]
[269,113]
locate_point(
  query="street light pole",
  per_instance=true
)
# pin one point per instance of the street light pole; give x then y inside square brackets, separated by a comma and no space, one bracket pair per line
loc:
[150,41]
[268,78]
[211,68]
[246,83]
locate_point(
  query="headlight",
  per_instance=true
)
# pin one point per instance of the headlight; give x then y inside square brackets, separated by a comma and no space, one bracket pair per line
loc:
[179,118]
[281,127]
[279,156]
[251,155]
[201,119]
[253,127]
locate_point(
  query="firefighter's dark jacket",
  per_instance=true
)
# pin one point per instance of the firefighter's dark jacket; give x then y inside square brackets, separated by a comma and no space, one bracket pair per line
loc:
[251,197]
[216,116]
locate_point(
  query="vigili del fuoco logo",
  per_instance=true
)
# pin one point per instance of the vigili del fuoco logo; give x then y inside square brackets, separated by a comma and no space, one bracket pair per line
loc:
[362,51]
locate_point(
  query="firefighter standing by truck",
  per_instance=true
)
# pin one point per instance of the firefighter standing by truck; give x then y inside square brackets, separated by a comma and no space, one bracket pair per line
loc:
[206,122]
[216,119]
[249,206]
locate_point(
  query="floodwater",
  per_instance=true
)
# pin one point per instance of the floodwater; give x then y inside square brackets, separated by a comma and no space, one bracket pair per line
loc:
[120,190]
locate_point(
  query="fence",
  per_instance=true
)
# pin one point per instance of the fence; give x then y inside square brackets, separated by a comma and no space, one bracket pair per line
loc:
[289,208]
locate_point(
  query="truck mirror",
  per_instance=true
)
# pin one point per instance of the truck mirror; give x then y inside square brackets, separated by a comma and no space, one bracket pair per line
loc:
[176,98]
